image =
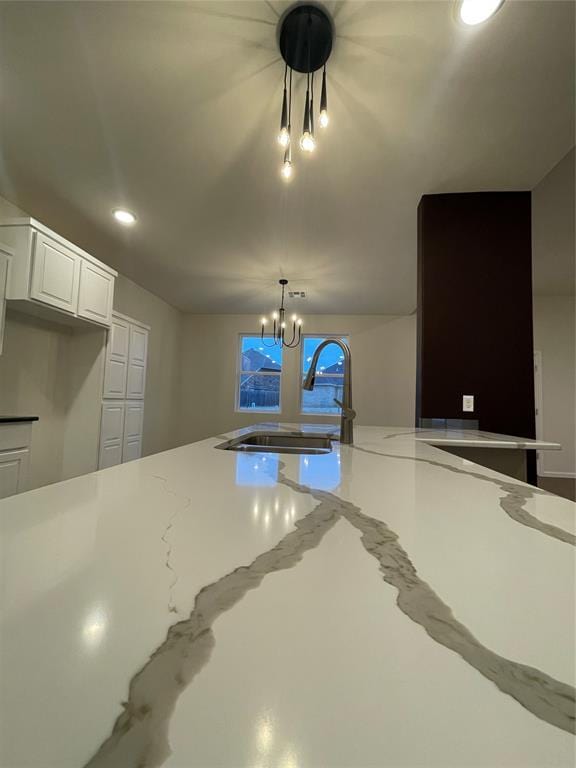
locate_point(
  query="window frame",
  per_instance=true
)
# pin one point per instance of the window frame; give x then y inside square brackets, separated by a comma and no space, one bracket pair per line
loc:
[240,373]
[341,337]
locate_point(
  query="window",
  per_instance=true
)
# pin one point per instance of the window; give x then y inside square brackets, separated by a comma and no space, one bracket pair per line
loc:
[259,373]
[329,376]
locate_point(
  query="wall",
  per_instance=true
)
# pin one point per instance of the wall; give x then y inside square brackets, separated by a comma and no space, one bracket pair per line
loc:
[384,365]
[554,248]
[475,310]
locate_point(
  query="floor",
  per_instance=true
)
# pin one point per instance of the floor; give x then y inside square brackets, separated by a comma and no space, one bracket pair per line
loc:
[561,486]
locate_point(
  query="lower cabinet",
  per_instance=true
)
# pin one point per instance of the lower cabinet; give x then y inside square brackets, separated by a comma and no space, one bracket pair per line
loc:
[15,442]
[120,432]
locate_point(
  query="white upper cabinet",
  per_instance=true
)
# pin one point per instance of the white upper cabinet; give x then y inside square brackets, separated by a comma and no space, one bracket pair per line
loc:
[55,274]
[95,294]
[50,273]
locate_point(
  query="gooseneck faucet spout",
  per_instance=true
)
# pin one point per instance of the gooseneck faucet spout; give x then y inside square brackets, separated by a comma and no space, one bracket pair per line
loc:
[348,413]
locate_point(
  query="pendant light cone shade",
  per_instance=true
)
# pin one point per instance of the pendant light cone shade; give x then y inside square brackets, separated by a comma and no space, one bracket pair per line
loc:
[307,142]
[324,119]
[284,135]
[287,170]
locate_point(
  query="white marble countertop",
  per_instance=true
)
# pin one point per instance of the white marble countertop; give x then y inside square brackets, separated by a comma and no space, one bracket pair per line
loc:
[387,604]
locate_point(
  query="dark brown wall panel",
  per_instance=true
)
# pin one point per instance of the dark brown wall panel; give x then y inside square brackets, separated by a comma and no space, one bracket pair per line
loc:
[475,309]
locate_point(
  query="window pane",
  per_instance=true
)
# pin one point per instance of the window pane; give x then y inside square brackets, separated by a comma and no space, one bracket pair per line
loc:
[321,398]
[329,377]
[259,391]
[331,358]
[256,356]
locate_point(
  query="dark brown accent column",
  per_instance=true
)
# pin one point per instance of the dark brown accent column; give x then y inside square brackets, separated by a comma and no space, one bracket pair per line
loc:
[475,311]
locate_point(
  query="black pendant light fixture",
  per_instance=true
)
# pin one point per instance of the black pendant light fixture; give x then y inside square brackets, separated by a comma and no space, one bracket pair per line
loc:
[281,335]
[305,41]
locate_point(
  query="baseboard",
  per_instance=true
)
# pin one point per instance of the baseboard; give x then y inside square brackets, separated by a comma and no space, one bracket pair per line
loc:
[567,475]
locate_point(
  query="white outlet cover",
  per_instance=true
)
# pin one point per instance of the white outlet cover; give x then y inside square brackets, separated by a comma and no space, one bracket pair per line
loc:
[468,403]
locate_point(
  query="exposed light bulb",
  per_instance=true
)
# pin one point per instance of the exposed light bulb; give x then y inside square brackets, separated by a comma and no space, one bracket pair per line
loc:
[264,320]
[284,137]
[286,171]
[274,315]
[307,142]
[324,119]
[294,318]
[300,321]
[283,325]
[474,12]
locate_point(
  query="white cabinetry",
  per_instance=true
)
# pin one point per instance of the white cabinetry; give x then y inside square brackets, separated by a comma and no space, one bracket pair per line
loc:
[50,273]
[15,439]
[95,294]
[5,255]
[55,274]
[123,393]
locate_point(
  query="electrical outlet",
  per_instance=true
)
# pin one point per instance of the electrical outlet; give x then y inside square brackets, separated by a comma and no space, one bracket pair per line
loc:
[468,403]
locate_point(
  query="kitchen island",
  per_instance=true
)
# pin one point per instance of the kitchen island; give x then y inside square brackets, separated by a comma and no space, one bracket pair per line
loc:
[384,604]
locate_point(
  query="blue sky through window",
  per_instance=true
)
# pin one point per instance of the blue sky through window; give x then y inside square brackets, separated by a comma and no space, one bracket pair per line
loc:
[332,355]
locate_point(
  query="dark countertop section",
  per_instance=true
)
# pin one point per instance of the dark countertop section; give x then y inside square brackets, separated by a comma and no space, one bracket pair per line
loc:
[14,419]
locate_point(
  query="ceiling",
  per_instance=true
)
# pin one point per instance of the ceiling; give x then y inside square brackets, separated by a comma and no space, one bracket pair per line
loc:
[172,109]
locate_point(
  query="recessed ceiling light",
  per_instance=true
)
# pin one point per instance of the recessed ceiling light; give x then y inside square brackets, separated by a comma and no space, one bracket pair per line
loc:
[474,12]
[124,217]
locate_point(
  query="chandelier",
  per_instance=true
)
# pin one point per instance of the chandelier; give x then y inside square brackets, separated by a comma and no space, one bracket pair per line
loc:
[305,44]
[280,333]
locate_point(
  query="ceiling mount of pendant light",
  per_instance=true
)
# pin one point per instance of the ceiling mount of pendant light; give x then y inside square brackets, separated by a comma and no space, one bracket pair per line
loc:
[305,40]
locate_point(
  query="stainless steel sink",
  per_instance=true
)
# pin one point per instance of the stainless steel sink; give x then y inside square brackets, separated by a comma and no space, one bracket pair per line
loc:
[279,442]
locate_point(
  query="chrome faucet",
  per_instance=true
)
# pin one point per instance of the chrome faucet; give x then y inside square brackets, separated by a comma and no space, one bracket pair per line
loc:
[348,413]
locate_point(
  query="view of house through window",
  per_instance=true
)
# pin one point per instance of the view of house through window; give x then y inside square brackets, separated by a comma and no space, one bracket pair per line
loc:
[329,376]
[259,374]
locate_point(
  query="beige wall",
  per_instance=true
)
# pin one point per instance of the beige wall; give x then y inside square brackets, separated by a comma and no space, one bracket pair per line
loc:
[554,256]
[384,371]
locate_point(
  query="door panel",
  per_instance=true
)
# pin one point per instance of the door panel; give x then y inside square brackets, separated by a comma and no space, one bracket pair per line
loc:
[134,420]
[95,295]
[13,470]
[138,345]
[112,427]
[110,454]
[137,363]
[4,262]
[55,274]
[115,379]
[136,381]
[119,340]
[132,450]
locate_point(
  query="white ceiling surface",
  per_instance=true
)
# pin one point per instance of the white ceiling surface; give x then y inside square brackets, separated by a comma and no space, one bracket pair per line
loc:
[171,109]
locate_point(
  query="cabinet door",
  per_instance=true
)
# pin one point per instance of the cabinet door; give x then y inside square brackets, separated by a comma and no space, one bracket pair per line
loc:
[133,426]
[13,472]
[55,274]
[4,261]
[117,359]
[110,455]
[111,434]
[95,294]
[137,357]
